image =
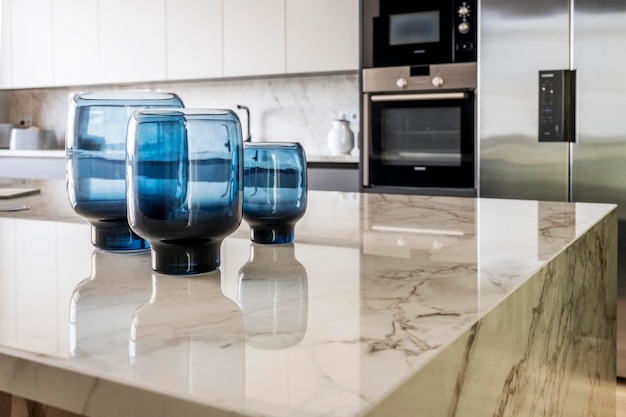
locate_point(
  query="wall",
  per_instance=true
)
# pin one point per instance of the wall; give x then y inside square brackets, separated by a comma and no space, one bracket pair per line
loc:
[283,109]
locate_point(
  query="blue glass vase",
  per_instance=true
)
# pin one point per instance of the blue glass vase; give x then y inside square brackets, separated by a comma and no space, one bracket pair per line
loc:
[275,190]
[184,185]
[95,161]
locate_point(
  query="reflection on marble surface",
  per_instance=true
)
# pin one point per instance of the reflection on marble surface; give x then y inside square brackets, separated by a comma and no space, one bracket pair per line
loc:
[424,306]
[273,296]
[189,335]
[103,304]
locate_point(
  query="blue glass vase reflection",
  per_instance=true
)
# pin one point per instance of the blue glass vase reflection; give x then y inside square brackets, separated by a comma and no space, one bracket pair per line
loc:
[95,161]
[275,190]
[274,297]
[184,185]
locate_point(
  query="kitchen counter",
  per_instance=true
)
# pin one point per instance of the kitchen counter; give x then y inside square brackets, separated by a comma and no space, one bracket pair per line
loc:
[335,159]
[44,164]
[386,305]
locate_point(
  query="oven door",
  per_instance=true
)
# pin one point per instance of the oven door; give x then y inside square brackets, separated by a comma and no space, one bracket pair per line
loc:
[424,140]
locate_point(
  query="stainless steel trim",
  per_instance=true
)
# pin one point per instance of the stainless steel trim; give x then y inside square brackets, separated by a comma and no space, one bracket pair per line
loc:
[365,137]
[417,97]
[398,79]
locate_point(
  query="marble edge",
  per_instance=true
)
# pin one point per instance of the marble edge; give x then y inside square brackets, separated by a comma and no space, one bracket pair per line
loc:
[397,400]
[332,158]
[86,392]
[44,153]
[60,153]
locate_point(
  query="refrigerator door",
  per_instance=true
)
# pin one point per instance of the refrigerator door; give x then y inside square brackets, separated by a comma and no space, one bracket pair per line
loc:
[599,168]
[518,39]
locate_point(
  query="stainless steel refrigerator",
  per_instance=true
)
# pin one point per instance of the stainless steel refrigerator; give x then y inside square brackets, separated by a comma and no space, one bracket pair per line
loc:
[517,40]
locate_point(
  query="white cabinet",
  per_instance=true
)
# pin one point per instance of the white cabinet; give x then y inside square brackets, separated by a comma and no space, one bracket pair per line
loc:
[254,37]
[5,44]
[75,42]
[46,43]
[132,40]
[194,39]
[31,38]
[322,35]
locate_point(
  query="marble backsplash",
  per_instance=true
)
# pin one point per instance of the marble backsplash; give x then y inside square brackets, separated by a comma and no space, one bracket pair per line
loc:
[281,109]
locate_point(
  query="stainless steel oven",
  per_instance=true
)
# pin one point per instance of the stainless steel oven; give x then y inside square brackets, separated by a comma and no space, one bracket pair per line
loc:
[419,129]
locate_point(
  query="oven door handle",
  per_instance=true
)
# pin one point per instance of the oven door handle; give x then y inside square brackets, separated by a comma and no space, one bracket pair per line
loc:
[415,97]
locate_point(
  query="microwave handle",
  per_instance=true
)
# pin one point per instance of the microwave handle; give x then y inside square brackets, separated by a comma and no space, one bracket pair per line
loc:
[415,97]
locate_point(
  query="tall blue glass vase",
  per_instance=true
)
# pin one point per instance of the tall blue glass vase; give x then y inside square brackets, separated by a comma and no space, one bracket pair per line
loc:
[95,161]
[275,190]
[184,185]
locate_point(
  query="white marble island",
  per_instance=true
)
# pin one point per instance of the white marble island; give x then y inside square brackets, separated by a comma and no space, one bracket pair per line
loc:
[386,305]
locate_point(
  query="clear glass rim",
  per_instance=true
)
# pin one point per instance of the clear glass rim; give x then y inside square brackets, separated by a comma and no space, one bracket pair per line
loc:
[124,95]
[274,145]
[183,111]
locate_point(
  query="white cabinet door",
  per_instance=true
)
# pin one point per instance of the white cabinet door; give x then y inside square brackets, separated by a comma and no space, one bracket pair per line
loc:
[194,39]
[75,42]
[5,44]
[322,35]
[254,37]
[31,38]
[132,40]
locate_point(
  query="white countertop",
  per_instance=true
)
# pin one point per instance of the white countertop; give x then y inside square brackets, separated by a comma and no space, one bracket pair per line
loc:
[35,153]
[60,153]
[373,289]
[349,158]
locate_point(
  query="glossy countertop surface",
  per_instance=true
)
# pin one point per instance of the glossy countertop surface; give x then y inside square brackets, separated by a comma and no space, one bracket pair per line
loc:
[373,287]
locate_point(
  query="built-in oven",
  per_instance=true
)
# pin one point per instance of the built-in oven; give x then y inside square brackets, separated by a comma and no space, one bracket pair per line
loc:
[419,129]
[411,32]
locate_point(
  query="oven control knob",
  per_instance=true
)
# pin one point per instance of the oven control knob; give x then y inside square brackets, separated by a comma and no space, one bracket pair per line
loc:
[464,27]
[402,83]
[437,81]
[463,11]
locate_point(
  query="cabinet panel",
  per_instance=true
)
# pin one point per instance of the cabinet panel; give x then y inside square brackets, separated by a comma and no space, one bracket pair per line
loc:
[322,35]
[75,42]
[31,36]
[5,44]
[194,39]
[254,37]
[132,40]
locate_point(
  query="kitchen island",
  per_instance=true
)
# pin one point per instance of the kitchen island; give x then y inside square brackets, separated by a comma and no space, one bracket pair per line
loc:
[385,305]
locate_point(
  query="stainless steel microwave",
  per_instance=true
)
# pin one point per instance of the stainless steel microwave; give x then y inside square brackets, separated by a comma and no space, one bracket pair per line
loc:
[403,32]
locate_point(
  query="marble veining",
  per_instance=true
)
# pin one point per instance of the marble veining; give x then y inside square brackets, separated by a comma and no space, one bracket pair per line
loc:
[385,305]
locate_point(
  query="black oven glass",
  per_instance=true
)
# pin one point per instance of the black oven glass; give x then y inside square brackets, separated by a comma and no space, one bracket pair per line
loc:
[414,28]
[423,32]
[429,136]
[422,143]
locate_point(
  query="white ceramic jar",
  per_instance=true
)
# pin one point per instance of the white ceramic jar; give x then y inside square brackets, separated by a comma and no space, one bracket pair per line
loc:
[340,138]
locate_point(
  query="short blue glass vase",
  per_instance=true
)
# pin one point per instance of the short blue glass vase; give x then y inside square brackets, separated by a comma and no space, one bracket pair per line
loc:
[95,161]
[184,185]
[275,190]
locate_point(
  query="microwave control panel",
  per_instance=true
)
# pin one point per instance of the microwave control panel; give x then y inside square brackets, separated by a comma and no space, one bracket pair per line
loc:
[465,26]
[557,106]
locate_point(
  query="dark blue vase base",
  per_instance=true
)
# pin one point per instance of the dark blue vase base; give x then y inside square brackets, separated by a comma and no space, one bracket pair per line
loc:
[272,234]
[117,238]
[181,258]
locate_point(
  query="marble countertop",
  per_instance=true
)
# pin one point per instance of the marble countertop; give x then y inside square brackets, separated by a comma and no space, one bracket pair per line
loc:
[60,153]
[374,287]
[35,153]
[348,158]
